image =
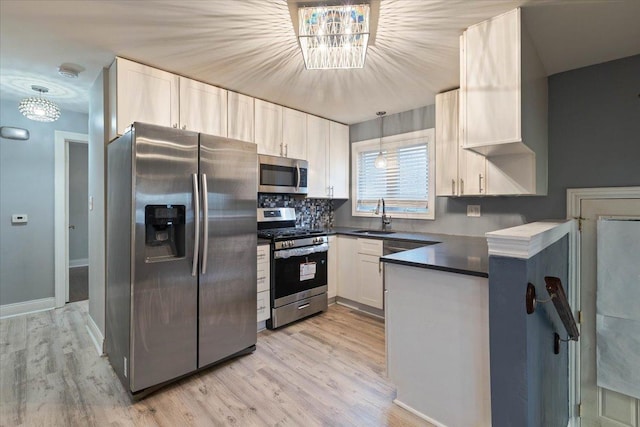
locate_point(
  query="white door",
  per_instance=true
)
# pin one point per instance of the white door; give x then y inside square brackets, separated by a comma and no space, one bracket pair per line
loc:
[600,407]
[203,107]
[338,161]
[268,128]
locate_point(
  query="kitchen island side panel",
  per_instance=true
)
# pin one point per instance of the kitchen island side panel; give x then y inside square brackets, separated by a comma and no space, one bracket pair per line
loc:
[529,383]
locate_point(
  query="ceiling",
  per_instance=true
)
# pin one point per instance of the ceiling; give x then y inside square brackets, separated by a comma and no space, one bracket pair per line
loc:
[249,46]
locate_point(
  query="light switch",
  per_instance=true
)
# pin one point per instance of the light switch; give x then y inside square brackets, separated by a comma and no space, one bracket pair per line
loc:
[19,219]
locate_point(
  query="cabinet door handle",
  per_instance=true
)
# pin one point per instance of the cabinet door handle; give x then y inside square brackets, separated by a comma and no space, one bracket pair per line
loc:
[461,186]
[453,187]
[480,182]
[184,127]
[281,151]
[175,125]
[286,150]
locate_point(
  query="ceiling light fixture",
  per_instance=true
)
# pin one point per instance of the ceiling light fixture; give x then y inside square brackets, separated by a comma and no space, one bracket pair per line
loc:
[381,160]
[334,36]
[39,109]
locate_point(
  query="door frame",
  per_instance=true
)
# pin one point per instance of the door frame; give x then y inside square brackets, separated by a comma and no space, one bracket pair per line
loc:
[61,211]
[575,196]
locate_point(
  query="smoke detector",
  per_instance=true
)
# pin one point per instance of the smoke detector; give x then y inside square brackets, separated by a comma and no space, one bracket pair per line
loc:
[70,71]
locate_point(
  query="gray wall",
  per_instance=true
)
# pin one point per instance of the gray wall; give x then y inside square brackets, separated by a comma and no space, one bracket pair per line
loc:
[26,186]
[97,160]
[78,203]
[594,128]
[529,386]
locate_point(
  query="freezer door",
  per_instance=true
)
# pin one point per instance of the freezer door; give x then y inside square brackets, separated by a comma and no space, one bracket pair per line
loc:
[228,289]
[164,293]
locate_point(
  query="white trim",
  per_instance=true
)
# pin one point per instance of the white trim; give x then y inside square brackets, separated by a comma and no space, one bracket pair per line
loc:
[575,196]
[82,262]
[524,241]
[27,307]
[61,218]
[96,335]
[418,413]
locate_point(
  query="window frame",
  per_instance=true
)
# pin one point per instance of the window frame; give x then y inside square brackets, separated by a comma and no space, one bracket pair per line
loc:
[392,142]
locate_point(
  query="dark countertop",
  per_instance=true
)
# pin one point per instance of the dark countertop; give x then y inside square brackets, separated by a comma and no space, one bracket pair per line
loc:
[263,241]
[456,254]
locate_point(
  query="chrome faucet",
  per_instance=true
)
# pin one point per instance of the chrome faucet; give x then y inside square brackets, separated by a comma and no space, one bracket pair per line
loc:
[386,219]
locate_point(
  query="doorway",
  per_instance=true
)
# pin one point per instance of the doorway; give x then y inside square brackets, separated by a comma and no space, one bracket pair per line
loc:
[78,191]
[63,147]
[597,406]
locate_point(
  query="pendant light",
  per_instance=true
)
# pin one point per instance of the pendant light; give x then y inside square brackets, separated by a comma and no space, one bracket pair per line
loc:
[39,109]
[381,160]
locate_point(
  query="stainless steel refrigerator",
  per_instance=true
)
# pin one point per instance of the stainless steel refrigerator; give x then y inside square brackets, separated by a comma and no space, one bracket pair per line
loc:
[181,253]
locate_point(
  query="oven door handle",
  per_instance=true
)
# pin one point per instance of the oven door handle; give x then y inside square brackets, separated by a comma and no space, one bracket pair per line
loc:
[308,250]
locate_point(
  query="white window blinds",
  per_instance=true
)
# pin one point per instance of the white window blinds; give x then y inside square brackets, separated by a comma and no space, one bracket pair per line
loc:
[403,184]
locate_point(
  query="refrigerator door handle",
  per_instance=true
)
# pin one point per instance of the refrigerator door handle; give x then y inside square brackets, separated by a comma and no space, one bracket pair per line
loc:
[205,223]
[196,212]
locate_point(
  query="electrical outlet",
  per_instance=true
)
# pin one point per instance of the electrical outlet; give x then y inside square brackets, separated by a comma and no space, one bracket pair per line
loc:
[473,210]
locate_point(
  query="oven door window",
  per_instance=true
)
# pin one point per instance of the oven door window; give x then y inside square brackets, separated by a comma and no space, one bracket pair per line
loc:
[297,274]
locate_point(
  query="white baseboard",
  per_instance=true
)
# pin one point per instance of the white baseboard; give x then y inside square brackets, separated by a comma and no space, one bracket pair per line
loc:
[27,307]
[82,262]
[418,413]
[96,335]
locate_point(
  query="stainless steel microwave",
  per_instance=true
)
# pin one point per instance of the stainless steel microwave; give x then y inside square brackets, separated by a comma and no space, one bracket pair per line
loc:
[282,175]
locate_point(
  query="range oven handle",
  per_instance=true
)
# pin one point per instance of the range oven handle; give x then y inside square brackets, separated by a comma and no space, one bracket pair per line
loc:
[205,224]
[196,220]
[307,250]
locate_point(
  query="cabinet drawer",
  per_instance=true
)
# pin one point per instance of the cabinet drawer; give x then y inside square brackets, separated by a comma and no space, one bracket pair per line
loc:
[263,306]
[263,254]
[263,277]
[370,247]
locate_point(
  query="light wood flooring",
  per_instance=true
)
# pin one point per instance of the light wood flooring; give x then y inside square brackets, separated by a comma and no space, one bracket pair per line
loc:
[327,370]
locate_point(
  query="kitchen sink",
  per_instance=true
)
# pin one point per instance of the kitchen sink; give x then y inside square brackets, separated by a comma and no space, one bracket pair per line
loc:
[374,232]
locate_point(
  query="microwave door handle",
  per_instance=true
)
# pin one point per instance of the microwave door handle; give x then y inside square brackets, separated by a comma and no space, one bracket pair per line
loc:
[196,212]
[205,223]
[298,171]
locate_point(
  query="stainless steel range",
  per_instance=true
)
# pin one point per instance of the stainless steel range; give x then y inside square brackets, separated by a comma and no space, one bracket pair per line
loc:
[298,266]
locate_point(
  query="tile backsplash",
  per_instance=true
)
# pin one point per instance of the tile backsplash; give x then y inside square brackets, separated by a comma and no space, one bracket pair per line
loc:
[310,213]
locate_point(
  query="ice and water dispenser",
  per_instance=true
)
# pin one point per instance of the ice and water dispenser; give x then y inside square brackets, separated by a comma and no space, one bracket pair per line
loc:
[164,232]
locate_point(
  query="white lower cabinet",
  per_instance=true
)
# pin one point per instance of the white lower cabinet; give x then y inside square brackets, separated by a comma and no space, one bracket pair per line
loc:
[347,274]
[370,274]
[264,274]
[332,267]
[359,271]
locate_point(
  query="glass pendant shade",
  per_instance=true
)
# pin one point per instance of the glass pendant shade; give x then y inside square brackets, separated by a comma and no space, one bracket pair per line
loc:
[381,161]
[334,36]
[39,109]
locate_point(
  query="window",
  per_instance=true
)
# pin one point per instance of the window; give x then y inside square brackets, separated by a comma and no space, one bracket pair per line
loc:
[405,184]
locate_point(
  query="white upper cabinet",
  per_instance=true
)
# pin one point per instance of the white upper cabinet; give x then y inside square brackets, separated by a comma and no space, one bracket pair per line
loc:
[318,152]
[268,128]
[338,160]
[240,117]
[294,133]
[138,93]
[503,104]
[459,172]
[203,107]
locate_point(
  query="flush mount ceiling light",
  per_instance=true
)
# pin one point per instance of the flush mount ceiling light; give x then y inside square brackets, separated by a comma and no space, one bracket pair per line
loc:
[381,160]
[333,36]
[39,109]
